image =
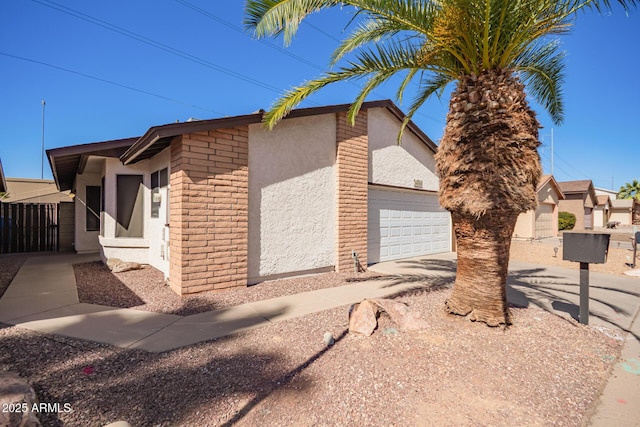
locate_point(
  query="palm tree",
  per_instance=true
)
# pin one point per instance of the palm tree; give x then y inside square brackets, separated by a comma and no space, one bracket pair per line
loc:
[631,190]
[487,159]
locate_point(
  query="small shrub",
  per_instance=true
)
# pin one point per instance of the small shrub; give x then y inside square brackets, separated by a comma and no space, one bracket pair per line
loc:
[566,221]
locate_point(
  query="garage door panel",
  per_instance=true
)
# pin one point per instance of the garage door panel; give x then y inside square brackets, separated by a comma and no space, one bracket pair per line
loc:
[403,224]
[544,221]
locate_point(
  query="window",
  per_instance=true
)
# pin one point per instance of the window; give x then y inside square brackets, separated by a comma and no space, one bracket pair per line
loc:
[93,208]
[129,208]
[159,179]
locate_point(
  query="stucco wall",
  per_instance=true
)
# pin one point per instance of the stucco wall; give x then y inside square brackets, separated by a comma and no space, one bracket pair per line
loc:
[85,241]
[599,217]
[548,194]
[157,232]
[393,164]
[574,206]
[525,225]
[292,196]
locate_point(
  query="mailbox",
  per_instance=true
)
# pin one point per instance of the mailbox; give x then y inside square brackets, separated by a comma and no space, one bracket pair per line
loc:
[638,237]
[588,248]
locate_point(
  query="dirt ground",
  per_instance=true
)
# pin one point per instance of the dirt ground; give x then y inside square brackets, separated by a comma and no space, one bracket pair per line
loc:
[543,370]
[541,253]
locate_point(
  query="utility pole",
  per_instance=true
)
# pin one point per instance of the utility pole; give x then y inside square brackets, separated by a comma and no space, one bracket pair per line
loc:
[42,154]
[551,151]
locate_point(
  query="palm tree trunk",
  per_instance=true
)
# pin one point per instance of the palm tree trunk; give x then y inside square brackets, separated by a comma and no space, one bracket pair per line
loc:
[489,169]
[483,259]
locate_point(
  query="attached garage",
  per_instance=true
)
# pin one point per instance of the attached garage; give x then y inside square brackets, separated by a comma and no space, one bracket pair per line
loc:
[543,221]
[405,223]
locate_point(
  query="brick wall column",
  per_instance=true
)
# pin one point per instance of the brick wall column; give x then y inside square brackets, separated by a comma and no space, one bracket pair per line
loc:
[352,159]
[209,210]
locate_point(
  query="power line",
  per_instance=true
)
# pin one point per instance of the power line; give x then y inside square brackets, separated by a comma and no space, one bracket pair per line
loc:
[240,30]
[110,82]
[158,45]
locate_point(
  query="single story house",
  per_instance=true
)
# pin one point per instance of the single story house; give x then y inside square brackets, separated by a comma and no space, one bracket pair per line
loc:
[622,211]
[580,200]
[221,203]
[601,212]
[543,221]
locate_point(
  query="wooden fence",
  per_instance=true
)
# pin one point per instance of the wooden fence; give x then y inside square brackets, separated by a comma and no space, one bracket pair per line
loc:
[28,227]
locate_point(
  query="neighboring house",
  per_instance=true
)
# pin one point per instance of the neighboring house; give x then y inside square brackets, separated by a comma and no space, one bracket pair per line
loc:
[27,190]
[602,210]
[622,211]
[604,192]
[580,200]
[3,182]
[543,221]
[221,203]
[33,201]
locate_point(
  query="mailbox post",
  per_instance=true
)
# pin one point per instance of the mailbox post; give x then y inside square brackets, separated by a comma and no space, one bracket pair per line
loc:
[585,248]
[636,242]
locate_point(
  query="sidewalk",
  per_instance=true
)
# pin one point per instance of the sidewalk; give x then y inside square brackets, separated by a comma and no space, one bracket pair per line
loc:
[43,297]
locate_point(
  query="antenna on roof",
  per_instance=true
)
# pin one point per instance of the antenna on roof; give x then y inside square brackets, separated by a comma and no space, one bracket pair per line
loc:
[42,154]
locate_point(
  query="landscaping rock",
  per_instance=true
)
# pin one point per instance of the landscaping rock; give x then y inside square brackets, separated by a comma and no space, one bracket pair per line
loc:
[363,318]
[328,339]
[401,315]
[126,266]
[111,262]
[16,399]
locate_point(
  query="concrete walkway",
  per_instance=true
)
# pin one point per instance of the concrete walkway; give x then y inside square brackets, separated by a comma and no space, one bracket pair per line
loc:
[43,297]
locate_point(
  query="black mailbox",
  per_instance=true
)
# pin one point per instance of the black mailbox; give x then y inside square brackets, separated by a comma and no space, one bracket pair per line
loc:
[638,237]
[589,248]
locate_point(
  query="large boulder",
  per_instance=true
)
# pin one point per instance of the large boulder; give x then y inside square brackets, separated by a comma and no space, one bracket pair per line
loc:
[111,262]
[126,266]
[363,316]
[17,399]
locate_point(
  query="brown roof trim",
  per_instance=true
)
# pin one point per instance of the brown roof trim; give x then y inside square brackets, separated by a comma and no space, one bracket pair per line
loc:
[3,182]
[397,187]
[161,135]
[66,162]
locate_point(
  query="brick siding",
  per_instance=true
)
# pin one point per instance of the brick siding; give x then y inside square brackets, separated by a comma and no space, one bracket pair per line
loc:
[208,210]
[352,160]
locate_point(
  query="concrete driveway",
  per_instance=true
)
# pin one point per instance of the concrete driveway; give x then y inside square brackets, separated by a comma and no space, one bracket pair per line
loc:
[614,300]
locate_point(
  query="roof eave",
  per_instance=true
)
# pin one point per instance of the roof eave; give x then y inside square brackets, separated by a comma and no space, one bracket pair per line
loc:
[160,134]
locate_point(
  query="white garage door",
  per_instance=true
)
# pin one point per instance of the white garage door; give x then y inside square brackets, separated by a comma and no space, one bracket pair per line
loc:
[544,220]
[405,224]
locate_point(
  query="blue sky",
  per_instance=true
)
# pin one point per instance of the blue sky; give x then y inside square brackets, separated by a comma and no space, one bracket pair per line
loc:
[111,70]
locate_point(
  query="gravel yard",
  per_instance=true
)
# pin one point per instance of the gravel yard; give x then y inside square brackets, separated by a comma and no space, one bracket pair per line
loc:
[541,253]
[543,370]
[9,266]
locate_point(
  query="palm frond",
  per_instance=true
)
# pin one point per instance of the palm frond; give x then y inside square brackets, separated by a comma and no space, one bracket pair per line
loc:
[274,17]
[542,70]
[381,63]
[436,84]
